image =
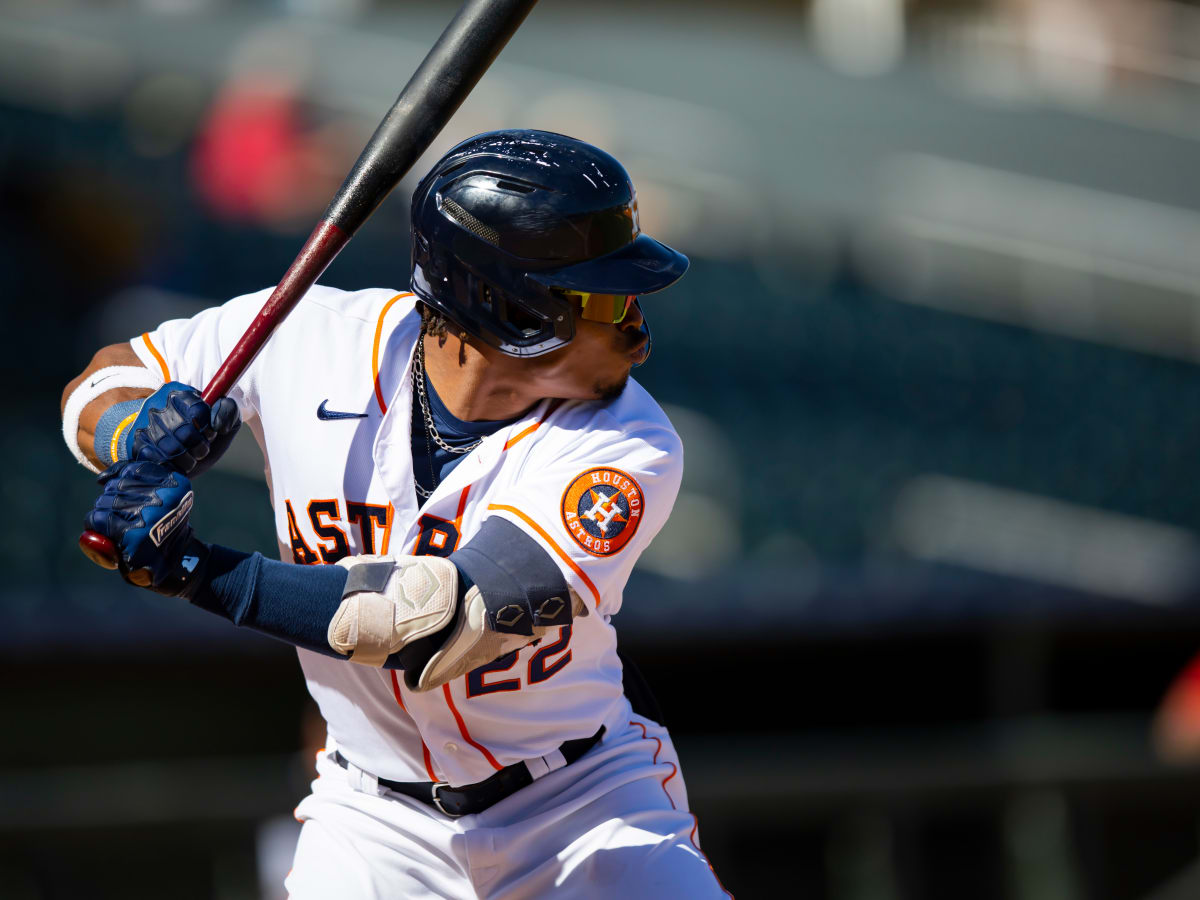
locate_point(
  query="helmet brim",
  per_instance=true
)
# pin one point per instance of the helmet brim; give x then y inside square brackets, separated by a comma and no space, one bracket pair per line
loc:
[642,266]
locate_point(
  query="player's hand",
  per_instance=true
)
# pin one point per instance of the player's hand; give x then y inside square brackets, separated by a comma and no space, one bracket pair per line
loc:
[144,510]
[176,428]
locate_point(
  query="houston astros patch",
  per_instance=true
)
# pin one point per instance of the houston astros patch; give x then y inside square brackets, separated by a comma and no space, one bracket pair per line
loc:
[602,509]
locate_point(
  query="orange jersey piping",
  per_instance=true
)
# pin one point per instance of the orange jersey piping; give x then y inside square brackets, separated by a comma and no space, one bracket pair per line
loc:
[400,703]
[387,531]
[654,761]
[462,729]
[692,838]
[162,363]
[462,506]
[525,432]
[695,821]
[375,352]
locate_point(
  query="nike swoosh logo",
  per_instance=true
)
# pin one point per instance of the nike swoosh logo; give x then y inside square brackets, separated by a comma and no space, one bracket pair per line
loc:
[326,415]
[98,380]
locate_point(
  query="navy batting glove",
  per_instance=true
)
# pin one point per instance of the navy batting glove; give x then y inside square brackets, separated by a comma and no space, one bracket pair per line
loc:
[144,510]
[176,428]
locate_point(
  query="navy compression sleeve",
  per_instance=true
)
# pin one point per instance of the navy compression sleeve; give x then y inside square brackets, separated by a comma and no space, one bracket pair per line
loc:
[295,603]
[286,601]
[289,602]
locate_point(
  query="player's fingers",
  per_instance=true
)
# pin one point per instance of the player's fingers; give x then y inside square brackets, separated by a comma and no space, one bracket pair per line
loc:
[190,407]
[142,474]
[97,520]
[123,476]
[109,520]
[172,443]
[143,449]
[124,505]
[172,450]
[174,432]
[192,442]
[110,473]
[225,416]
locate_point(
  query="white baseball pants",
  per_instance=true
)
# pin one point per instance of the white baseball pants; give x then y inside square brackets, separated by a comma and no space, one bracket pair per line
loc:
[615,823]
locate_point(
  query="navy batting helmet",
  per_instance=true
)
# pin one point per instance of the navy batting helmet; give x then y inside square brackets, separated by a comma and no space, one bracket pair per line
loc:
[508,221]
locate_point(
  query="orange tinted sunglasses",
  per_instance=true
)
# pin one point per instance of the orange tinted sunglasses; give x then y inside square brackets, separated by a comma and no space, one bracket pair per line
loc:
[609,308]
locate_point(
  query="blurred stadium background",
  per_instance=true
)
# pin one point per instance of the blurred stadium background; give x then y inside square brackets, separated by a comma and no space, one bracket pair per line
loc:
[935,565]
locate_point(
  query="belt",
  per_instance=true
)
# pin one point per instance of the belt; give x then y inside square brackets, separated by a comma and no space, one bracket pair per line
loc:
[474,798]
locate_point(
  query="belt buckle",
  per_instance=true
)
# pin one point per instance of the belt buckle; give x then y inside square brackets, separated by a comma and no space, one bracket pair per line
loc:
[437,801]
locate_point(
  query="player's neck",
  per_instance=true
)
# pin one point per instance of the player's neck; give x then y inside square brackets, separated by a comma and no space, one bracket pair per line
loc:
[475,386]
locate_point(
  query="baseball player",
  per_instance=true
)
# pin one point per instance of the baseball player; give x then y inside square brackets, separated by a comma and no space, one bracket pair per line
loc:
[477,473]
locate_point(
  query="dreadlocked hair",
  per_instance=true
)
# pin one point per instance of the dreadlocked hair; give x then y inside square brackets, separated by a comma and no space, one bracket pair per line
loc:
[433,322]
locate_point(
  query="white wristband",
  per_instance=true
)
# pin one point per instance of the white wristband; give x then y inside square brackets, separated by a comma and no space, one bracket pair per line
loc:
[92,387]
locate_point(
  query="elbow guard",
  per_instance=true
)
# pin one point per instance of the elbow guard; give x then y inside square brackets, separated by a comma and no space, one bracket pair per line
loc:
[473,643]
[395,605]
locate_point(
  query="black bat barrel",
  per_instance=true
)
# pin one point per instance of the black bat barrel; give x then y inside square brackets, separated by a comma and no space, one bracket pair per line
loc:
[457,61]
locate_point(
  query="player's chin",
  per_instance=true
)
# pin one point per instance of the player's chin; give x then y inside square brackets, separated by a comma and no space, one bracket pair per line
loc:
[607,391]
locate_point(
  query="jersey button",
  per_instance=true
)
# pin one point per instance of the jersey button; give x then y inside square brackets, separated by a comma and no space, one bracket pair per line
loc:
[450,747]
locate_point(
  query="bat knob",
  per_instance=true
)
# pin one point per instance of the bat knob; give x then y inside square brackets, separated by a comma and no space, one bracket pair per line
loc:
[99,549]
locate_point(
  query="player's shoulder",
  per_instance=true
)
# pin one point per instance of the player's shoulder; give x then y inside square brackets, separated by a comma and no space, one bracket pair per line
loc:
[634,416]
[331,318]
[368,305]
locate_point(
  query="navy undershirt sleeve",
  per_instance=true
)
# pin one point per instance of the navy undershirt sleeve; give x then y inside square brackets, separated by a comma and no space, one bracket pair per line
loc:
[286,601]
[520,584]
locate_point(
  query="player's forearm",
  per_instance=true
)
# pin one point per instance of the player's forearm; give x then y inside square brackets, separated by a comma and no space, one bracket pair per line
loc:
[98,405]
[296,603]
[289,602]
[435,618]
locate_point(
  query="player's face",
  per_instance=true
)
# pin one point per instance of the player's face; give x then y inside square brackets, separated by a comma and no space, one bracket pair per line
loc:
[596,364]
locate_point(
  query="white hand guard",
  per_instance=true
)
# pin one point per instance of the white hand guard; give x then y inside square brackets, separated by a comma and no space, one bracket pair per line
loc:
[388,603]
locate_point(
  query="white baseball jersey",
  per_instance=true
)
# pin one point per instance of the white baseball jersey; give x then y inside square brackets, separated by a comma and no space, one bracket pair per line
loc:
[592,483]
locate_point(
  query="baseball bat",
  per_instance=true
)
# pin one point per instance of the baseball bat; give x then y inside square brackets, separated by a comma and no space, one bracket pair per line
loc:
[463,53]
